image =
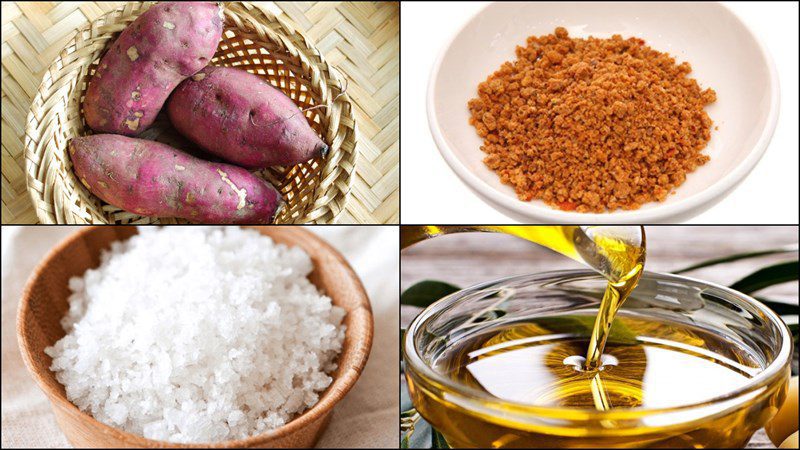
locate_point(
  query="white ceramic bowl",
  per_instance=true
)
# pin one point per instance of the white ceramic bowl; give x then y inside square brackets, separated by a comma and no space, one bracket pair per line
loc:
[725,55]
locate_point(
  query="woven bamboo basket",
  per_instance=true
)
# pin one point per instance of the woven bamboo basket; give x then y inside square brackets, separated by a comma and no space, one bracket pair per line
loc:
[254,40]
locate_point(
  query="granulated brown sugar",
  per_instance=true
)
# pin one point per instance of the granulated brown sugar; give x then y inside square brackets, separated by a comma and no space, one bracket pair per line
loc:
[592,125]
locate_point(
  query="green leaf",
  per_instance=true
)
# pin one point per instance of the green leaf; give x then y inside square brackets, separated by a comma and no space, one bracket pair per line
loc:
[408,413]
[426,292]
[737,257]
[437,440]
[768,276]
[779,308]
[409,419]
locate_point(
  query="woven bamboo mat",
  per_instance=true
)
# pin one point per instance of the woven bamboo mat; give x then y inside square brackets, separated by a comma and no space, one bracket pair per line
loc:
[362,40]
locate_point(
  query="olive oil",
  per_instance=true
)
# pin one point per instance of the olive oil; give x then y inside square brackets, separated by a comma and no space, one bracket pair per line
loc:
[618,253]
[647,363]
[578,379]
[613,251]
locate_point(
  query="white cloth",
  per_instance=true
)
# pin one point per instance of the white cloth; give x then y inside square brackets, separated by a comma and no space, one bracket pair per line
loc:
[366,417]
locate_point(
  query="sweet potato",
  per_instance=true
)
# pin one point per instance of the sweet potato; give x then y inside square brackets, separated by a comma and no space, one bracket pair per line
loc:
[154,179]
[241,118]
[166,44]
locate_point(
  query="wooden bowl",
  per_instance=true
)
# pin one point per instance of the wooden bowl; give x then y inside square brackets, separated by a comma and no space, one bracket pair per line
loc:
[44,303]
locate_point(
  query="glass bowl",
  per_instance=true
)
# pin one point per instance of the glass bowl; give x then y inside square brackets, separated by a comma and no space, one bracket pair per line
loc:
[471,417]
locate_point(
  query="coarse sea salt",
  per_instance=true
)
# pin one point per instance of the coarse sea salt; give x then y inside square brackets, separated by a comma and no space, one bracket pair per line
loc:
[197,334]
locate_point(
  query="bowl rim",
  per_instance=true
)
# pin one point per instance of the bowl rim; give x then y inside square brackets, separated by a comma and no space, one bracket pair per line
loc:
[658,211]
[730,400]
[321,410]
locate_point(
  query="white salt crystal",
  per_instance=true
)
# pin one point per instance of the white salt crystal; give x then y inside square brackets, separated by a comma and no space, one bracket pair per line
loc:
[197,334]
[118,413]
[153,430]
[235,417]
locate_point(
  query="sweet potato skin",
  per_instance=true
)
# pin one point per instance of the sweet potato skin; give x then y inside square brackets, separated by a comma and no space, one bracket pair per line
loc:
[166,44]
[153,179]
[243,119]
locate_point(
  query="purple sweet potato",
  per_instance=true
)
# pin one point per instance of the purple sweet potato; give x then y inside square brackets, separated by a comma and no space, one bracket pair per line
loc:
[243,119]
[168,43]
[154,179]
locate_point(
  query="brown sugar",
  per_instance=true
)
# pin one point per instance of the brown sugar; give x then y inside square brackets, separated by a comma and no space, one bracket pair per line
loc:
[592,125]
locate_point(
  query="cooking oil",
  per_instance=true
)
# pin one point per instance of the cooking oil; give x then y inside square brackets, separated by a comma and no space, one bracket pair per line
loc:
[617,252]
[614,251]
[581,381]
[646,363]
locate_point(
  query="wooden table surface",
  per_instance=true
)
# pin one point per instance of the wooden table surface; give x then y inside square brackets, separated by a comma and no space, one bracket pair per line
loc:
[466,259]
